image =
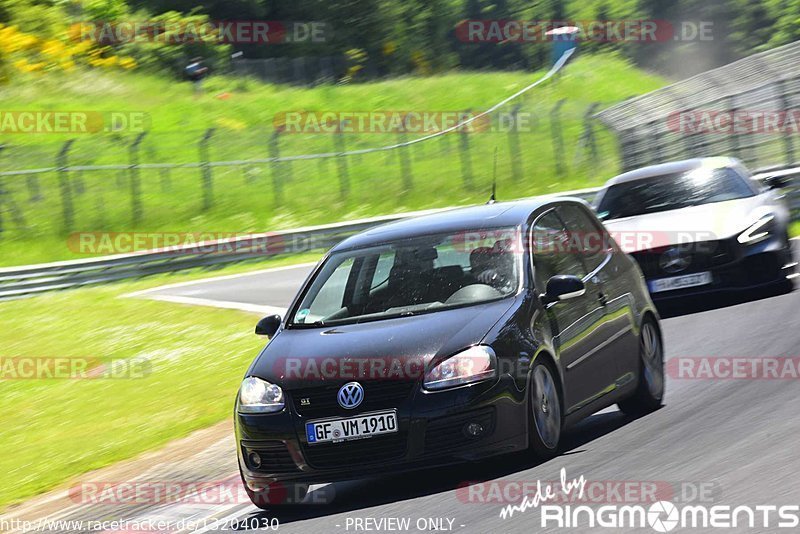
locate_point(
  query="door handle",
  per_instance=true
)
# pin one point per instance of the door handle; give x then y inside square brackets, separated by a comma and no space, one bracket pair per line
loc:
[602,298]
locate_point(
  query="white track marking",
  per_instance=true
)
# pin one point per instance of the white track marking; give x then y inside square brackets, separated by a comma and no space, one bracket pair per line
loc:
[220,278]
[226,304]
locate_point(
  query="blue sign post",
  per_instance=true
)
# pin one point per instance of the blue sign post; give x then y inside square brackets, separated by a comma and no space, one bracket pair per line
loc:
[564,39]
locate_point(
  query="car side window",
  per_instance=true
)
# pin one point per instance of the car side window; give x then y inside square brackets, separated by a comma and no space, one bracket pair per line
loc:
[380,275]
[552,251]
[331,296]
[585,233]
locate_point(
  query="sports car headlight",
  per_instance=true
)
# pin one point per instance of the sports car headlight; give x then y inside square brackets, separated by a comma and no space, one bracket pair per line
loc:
[259,396]
[759,231]
[472,365]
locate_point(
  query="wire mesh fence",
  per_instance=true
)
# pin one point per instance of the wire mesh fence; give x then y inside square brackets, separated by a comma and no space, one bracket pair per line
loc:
[749,109]
[244,180]
[275,177]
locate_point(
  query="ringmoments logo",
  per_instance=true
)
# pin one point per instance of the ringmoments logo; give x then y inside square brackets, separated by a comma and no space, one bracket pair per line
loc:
[664,516]
[660,516]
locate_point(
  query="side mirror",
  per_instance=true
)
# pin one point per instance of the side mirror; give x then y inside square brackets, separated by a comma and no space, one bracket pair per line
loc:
[268,325]
[777,182]
[563,287]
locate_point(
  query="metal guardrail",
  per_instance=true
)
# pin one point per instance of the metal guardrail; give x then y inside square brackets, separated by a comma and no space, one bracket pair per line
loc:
[29,280]
[17,282]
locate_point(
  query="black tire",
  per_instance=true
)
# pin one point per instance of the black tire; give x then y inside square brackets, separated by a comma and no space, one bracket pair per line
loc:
[649,394]
[545,413]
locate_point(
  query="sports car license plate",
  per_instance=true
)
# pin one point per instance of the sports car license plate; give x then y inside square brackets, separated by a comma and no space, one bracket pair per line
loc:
[680,282]
[363,426]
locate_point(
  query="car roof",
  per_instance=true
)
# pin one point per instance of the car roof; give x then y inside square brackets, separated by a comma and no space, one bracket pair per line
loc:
[673,167]
[495,215]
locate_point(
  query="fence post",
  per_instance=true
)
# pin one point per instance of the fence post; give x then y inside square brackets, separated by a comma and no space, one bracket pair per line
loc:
[276,167]
[136,198]
[7,204]
[513,145]
[734,136]
[588,132]
[34,191]
[2,196]
[558,140]
[163,173]
[341,162]
[405,161]
[205,169]
[786,108]
[67,208]
[466,161]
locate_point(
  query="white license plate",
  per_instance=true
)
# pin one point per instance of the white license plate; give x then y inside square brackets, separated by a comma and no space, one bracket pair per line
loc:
[680,282]
[363,426]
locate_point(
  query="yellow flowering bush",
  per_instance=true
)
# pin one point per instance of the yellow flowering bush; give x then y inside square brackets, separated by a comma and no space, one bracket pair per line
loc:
[28,53]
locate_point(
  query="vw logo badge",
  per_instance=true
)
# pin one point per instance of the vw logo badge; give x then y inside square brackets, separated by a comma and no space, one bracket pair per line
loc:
[675,260]
[350,395]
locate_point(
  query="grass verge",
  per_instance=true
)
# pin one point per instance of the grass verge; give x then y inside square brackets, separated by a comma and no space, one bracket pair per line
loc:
[196,356]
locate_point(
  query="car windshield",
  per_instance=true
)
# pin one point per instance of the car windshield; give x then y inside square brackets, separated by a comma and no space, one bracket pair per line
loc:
[673,191]
[412,276]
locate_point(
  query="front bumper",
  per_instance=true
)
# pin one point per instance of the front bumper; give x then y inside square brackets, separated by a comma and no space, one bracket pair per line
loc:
[734,268]
[430,433]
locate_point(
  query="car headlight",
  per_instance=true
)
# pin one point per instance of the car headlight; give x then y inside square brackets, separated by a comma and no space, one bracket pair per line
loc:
[759,231]
[472,365]
[259,396]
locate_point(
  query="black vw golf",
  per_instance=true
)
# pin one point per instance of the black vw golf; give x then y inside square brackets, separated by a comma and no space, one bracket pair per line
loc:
[448,338]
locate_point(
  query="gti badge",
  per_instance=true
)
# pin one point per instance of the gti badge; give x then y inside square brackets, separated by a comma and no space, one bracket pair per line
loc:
[675,260]
[350,395]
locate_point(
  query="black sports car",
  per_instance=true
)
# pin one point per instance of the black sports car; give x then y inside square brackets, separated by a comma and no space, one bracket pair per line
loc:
[444,339]
[700,226]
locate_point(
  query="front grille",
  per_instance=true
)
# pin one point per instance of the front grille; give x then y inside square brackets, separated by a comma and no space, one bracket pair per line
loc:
[322,400]
[379,449]
[704,256]
[275,457]
[447,434]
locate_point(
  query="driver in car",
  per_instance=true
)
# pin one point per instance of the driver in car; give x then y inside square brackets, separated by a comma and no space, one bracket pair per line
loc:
[494,266]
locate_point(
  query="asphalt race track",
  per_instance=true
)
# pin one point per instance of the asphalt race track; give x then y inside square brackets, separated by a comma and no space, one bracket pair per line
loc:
[716,441]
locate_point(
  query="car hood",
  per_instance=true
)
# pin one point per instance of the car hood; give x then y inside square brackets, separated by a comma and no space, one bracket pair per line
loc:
[286,359]
[707,222]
